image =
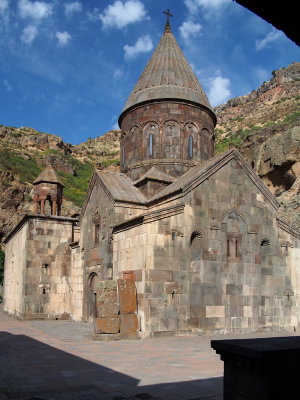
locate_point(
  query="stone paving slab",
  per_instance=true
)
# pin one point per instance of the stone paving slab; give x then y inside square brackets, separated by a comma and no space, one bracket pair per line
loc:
[57,360]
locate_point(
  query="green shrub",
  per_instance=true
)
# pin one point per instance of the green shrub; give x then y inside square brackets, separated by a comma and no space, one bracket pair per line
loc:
[26,170]
[76,185]
[107,163]
[234,140]
[292,118]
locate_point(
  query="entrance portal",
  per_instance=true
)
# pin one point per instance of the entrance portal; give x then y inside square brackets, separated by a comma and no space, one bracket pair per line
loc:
[91,297]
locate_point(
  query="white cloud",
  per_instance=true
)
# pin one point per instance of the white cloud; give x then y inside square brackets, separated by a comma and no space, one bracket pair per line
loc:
[115,126]
[193,5]
[29,33]
[34,9]
[63,38]
[219,90]
[209,7]
[118,73]
[271,37]
[7,85]
[189,28]
[3,7]
[4,13]
[94,15]
[71,8]
[142,45]
[120,15]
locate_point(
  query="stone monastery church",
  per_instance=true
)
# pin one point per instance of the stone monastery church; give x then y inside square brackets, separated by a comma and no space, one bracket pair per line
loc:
[179,242]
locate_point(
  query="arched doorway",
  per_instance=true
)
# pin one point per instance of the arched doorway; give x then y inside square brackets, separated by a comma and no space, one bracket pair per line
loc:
[48,205]
[91,296]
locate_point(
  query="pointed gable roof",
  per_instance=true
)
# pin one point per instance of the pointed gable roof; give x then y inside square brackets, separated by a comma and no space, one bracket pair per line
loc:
[155,175]
[202,172]
[167,75]
[47,175]
[120,187]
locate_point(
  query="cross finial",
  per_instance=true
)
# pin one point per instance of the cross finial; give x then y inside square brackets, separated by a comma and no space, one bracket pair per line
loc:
[168,26]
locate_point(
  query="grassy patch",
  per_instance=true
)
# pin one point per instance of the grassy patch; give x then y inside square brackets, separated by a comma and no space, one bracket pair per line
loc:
[292,118]
[76,185]
[235,139]
[239,119]
[107,163]
[26,169]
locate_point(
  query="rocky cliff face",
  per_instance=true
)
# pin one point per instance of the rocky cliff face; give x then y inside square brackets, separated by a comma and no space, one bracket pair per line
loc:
[264,125]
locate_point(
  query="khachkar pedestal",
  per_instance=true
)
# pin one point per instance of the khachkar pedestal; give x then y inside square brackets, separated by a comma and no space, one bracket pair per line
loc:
[116,310]
[260,369]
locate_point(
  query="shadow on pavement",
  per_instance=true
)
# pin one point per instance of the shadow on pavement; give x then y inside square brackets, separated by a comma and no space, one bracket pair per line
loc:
[32,370]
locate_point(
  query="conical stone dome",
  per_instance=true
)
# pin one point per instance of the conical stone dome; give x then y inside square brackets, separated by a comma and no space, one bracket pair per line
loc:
[47,175]
[167,75]
[167,122]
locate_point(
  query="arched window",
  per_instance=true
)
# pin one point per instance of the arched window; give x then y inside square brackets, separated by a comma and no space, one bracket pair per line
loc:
[190,146]
[96,233]
[235,229]
[123,156]
[48,205]
[232,247]
[191,140]
[151,140]
[150,145]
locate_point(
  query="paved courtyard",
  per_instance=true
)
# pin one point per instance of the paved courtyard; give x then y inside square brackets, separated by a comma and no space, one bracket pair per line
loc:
[57,360]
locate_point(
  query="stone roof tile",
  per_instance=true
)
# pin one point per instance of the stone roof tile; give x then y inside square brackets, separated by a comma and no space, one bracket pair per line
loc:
[47,175]
[167,75]
[156,175]
[121,187]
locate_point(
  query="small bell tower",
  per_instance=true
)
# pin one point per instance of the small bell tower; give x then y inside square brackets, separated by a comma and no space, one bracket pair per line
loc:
[48,192]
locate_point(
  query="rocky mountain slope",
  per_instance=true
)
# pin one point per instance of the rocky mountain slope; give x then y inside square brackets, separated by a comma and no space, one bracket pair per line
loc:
[264,125]
[24,152]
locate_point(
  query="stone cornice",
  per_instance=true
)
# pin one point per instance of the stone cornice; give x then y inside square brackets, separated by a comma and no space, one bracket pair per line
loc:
[87,196]
[163,161]
[287,228]
[168,100]
[149,217]
[28,217]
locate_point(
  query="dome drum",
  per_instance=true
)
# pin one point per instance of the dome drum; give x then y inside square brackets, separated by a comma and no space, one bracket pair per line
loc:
[166,131]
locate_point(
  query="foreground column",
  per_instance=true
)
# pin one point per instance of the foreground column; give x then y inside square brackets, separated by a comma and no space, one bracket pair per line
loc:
[260,369]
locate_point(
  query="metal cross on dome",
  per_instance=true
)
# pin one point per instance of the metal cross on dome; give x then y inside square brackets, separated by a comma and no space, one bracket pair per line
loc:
[168,14]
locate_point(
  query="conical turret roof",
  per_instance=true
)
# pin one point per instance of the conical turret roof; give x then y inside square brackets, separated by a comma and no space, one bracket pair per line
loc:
[167,75]
[47,175]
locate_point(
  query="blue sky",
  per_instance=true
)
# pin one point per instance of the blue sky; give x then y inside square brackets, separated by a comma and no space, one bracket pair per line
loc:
[67,67]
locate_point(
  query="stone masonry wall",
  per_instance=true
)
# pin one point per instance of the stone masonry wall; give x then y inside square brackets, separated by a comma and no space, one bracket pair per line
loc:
[48,264]
[216,267]
[97,254]
[290,250]
[45,287]
[77,284]
[15,267]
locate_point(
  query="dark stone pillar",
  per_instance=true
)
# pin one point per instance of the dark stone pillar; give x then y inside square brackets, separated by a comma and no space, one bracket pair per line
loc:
[260,369]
